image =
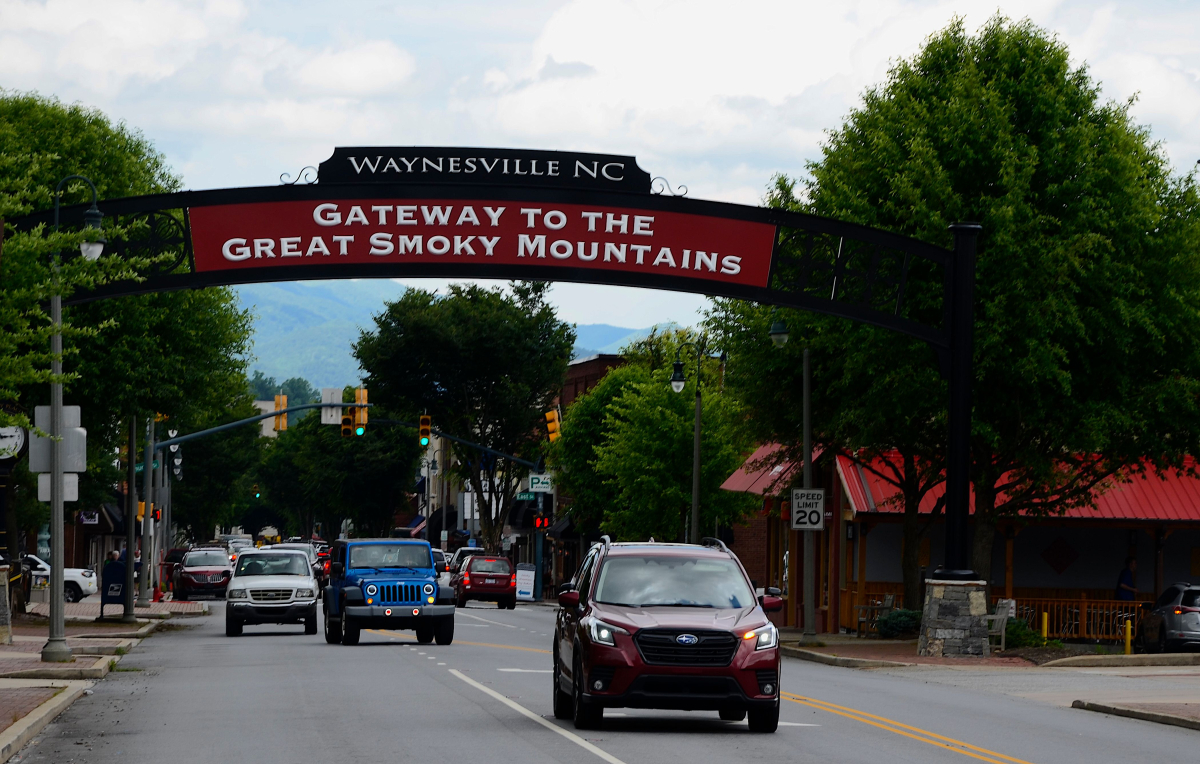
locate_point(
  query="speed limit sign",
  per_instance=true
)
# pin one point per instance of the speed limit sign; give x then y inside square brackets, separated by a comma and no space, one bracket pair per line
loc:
[808,509]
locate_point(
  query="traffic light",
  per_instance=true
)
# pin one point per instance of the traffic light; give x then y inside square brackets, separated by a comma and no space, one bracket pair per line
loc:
[347,426]
[360,411]
[257,493]
[157,514]
[541,522]
[552,424]
[425,430]
[280,419]
[141,515]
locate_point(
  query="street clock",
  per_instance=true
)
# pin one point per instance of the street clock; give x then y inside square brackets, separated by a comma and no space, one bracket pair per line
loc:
[12,440]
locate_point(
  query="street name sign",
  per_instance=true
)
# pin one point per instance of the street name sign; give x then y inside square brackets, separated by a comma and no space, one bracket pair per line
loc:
[808,509]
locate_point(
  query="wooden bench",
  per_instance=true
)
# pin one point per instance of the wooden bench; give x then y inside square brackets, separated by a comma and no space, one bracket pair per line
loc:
[868,615]
[998,621]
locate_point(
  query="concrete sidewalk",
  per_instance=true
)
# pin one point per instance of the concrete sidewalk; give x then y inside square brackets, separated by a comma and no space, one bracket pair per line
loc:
[90,609]
[28,705]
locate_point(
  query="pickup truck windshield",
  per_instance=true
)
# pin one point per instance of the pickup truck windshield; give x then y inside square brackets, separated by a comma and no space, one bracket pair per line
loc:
[272,565]
[673,582]
[390,556]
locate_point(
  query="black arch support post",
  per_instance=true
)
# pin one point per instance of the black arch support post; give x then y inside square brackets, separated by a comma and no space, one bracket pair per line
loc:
[961,326]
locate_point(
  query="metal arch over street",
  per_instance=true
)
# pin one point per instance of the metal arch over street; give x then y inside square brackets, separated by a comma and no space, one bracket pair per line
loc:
[420,212]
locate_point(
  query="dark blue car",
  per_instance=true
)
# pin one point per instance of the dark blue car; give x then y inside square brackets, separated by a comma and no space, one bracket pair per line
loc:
[385,584]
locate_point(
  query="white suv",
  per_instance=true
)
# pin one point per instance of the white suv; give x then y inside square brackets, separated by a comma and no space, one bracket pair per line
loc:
[77,582]
[271,586]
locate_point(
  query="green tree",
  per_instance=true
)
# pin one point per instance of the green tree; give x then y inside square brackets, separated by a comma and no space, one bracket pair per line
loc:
[1088,280]
[485,365]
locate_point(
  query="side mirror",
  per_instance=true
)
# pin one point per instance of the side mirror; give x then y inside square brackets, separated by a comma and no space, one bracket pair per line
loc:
[568,599]
[771,604]
[772,591]
[337,570]
[1146,606]
[565,587]
[444,567]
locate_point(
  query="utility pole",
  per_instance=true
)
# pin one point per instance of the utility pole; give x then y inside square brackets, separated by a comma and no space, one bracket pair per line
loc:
[810,542]
[143,599]
[131,502]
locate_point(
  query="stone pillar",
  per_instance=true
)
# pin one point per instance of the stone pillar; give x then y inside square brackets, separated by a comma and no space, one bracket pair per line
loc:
[5,611]
[954,619]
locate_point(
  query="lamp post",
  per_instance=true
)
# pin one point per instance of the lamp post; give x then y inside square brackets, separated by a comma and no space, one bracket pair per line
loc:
[56,649]
[779,337]
[678,381]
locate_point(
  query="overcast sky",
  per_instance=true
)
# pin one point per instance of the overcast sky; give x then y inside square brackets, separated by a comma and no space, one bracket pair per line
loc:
[715,95]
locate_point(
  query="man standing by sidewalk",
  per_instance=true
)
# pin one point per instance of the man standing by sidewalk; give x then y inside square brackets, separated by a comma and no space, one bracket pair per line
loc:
[1127,581]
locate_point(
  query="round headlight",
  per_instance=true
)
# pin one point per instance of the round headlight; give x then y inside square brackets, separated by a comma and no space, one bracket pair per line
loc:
[372,589]
[429,588]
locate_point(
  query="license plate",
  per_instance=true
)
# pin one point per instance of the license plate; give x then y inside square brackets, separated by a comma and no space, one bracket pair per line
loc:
[490,581]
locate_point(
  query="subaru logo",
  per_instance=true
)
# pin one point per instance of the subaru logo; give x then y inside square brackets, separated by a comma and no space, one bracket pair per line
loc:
[687,639]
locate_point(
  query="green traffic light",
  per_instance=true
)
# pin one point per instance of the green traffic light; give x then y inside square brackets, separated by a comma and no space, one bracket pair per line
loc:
[359,430]
[424,441]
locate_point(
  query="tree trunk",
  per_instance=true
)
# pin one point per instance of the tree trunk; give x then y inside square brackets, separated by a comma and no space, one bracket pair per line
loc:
[911,554]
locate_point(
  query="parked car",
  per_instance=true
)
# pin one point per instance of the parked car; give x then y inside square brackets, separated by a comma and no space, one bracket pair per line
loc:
[386,584]
[486,579]
[272,585]
[672,626]
[1173,620]
[77,582]
[463,553]
[202,571]
[318,567]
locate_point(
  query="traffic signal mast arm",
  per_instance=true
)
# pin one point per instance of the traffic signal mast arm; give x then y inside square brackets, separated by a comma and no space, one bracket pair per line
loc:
[302,407]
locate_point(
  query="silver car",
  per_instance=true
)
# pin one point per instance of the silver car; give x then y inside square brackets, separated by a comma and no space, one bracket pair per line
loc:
[1173,620]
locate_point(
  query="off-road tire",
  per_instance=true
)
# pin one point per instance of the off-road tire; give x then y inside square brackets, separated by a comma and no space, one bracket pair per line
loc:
[233,627]
[764,719]
[333,630]
[443,632]
[425,634]
[350,632]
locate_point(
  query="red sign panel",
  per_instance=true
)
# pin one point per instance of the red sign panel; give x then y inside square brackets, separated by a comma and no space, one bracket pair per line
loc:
[360,231]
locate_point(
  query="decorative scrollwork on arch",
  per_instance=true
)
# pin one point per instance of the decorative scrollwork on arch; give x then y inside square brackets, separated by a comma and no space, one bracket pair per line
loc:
[661,185]
[152,235]
[307,175]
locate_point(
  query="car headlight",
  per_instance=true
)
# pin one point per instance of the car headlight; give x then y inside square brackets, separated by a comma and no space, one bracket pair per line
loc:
[764,636]
[372,589]
[236,594]
[88,573]
[302,593]
[604,633]
[428,588]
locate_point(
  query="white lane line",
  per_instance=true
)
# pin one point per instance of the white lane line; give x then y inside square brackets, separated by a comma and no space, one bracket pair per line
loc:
[527,713]
[527,671]
[797,724]
[495,623]
[441,664]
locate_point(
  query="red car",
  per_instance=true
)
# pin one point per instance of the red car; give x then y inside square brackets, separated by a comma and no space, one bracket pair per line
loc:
[490,579]
[203,571]
[671,626]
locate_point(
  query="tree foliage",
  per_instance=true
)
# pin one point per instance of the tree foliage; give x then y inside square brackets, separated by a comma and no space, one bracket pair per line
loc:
[485,364]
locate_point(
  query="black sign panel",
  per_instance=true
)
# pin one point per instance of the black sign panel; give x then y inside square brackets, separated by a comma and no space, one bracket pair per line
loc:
[467,166]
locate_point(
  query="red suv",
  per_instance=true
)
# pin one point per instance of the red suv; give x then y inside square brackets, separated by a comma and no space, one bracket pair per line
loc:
[672,626]
[203,571]
[490,579]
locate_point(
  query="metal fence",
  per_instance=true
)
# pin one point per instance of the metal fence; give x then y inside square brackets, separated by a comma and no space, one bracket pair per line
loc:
[1079,619]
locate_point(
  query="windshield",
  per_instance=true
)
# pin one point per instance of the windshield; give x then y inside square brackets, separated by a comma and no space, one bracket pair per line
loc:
[196,559]
[673,581]
[272,565]
[480,565]
[390,556]
[308,550]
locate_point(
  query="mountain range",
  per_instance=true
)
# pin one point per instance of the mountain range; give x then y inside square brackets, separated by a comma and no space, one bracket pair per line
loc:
[305,328]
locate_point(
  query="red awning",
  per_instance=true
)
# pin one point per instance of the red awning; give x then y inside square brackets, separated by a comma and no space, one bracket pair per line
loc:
[765,472]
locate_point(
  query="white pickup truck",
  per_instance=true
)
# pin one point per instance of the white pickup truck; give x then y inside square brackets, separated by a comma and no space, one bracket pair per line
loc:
[77,582]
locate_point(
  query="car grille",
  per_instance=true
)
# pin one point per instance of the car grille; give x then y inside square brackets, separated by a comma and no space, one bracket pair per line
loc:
[270,595]
[399,593]
[659,647]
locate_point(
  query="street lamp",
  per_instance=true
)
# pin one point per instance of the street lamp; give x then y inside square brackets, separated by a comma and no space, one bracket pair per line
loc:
[56,649]
[779,337]
[678,380]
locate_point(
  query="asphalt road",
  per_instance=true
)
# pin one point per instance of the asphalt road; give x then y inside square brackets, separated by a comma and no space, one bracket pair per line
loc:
[275,695]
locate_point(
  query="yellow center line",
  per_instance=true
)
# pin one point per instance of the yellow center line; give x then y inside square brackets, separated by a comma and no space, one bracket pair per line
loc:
[460,642]
[925,736]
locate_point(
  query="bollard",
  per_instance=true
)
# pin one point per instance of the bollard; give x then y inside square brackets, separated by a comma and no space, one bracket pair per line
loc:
[1045,626]
[1128,637]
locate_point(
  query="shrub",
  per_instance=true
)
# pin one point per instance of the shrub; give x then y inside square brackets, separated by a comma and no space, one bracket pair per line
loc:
[899,623]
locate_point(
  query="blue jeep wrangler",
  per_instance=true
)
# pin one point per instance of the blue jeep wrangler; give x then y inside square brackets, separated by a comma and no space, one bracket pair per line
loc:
[385,584]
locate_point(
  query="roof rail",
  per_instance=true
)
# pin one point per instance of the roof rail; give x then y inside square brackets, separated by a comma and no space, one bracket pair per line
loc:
[718,543]
[606,541]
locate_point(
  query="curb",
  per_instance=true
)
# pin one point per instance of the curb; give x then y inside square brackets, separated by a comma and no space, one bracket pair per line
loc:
[1110,661]
[15,737]
[837,660]
[97,670]
[141,633]
[1133,713]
